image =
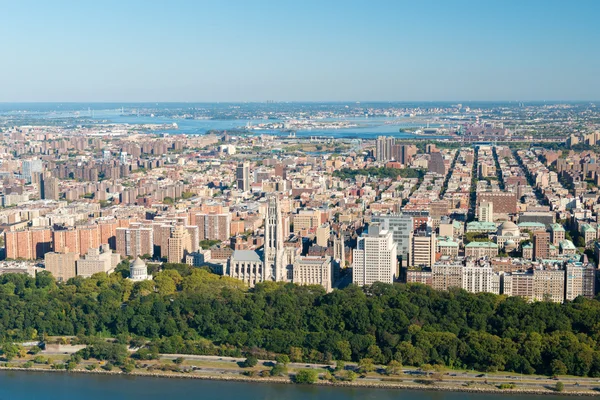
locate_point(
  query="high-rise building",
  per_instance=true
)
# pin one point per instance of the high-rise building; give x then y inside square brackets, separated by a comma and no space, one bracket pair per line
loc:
[322,235]
[179,244]
[214,226]
[486,212]
[401,226]
[30,244]
[242,175]
[375,257]
[49,188]
[31,168]
[541,246]
[135,241]
[423,249]
[436,163]
[383,148]
[580,281]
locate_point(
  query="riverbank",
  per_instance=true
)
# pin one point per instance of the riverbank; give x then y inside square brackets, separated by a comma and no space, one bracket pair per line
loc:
[359,383]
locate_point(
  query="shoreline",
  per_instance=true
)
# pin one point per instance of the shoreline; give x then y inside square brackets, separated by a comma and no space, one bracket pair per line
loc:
[281,380]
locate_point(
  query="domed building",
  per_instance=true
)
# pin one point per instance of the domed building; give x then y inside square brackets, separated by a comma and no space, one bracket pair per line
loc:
[508,231]
[138,271]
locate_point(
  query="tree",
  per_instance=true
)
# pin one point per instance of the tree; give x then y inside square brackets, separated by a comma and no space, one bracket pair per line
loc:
[557,367]
[366,365]
[308,376]
[350,376]
[9,351]
[282,359]
[559,386]
[394,368]
[179,360]
[251,361]
[296,354]
[279,370]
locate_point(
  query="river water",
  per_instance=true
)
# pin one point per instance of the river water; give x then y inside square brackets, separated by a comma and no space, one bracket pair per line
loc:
[17,385]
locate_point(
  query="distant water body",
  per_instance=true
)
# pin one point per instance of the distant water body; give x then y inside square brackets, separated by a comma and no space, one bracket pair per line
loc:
[368,128]
[65,386]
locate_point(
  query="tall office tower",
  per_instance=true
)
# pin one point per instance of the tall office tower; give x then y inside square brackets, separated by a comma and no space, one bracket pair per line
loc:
[383,148]
[423,249]
[179,245]
[541,246]
[273,250]
[135,241]
[31,168]
[49,188]
[401,226]
[486,212]
[213,226]
[436,163]
[242,175]
[375,257]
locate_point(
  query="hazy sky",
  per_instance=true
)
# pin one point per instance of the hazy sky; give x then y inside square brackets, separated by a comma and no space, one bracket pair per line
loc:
[94,50]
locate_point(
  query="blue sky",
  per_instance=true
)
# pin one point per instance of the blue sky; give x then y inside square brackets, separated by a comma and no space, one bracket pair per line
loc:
[299,50]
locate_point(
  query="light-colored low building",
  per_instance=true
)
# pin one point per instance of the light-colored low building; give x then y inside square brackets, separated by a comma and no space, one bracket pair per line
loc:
[481,249]
[97,260]
[313,271]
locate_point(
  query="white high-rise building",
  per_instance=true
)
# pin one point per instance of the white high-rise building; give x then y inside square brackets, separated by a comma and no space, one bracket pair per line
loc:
[375,257]
[401,226]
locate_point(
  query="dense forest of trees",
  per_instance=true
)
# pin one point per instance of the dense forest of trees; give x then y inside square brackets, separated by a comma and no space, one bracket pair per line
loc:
[203,313]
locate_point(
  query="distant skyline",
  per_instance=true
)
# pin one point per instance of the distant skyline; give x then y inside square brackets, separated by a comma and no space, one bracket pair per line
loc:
[237,51]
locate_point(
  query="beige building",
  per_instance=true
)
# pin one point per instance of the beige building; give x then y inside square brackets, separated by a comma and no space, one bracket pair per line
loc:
[549,284]
[306,219]
[97,260]
[322,235]
[423,250]
[481,249]
[445,276]
[61,265]
[179,244]
[314,271]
